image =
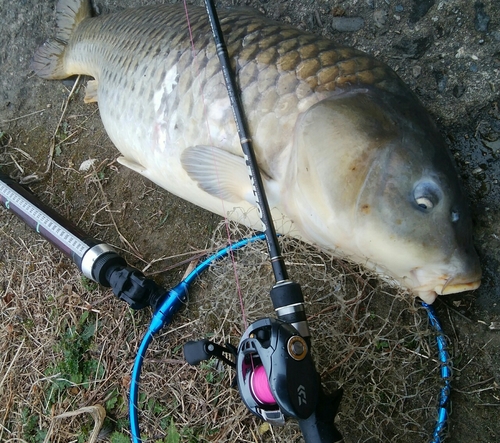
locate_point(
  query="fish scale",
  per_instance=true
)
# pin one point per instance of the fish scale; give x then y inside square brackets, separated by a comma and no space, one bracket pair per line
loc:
[350,159]
[106,46]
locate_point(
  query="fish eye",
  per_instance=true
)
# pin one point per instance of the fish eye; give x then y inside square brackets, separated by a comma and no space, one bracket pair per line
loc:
[426,195]
[424,202]
[455,216]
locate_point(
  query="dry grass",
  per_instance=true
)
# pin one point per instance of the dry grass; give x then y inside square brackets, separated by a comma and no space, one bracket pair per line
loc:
[374,344]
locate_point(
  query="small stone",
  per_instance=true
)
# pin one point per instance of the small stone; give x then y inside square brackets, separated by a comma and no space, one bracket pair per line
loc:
[482,19]
[496,59]
[458,90]
[461,52]
[439,31]
[87,164]
[380,18]
[441,80]
[337,11]
[414,48]
[473,67]
[417,70]
[347,24]
[399,8]
[420,8]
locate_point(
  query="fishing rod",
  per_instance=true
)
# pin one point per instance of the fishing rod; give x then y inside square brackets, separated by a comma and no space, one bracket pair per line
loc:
[276,375]
[286,295]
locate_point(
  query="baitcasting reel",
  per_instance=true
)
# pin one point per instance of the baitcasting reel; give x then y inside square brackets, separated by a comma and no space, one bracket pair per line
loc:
[275,372]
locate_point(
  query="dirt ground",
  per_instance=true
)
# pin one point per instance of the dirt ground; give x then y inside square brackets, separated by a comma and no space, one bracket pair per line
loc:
[447,51]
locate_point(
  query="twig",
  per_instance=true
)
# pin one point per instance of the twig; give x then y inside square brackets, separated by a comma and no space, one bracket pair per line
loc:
[175,265]
[12,363]
[136,253]
[451,308]
[50,157]
[29,157]
[22,116]
[477,391]
[421,355]
[475,355]
[482,382]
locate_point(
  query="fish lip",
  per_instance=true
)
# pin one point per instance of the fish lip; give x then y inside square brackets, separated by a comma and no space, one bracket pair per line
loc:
[454,288]
[444,285]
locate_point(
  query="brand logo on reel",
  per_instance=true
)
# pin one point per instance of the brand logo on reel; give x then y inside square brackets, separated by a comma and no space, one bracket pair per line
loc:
[301,394]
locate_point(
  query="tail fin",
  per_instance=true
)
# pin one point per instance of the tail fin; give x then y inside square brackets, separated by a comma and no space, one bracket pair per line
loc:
[48,61]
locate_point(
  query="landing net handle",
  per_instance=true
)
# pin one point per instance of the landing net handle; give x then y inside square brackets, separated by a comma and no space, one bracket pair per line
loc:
[96,260]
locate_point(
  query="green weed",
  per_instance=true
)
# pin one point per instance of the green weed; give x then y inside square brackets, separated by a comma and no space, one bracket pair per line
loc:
[31,432]
[88,285]
[118,437]
[74,367]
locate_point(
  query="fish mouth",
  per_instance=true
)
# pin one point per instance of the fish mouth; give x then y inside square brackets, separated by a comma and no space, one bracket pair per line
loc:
[444,285]
[454,288]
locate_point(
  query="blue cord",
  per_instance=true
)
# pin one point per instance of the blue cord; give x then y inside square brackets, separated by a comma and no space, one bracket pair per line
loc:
[444,358]
[177,296]
[134,387]
[173,300]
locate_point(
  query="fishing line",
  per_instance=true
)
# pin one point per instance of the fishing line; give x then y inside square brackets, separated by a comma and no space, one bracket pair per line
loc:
[186,12]
[214,160]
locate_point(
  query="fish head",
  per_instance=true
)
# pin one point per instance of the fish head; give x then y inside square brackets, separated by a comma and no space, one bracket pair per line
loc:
[373,178]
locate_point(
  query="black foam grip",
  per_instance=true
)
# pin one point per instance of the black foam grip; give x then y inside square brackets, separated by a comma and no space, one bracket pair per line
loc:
[286,294]
[320,426]
[195,352]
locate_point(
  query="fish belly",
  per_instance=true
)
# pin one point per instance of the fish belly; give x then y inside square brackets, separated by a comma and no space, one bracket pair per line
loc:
[151,89]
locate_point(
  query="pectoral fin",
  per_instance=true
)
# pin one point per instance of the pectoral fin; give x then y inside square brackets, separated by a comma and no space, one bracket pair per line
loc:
[91,92]
[132,165]
[218,172]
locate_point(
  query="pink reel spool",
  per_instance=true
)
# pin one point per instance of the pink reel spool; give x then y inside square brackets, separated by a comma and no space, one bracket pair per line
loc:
[260,386]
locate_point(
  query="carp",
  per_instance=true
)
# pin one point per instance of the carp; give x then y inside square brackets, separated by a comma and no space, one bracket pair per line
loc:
[351,161]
